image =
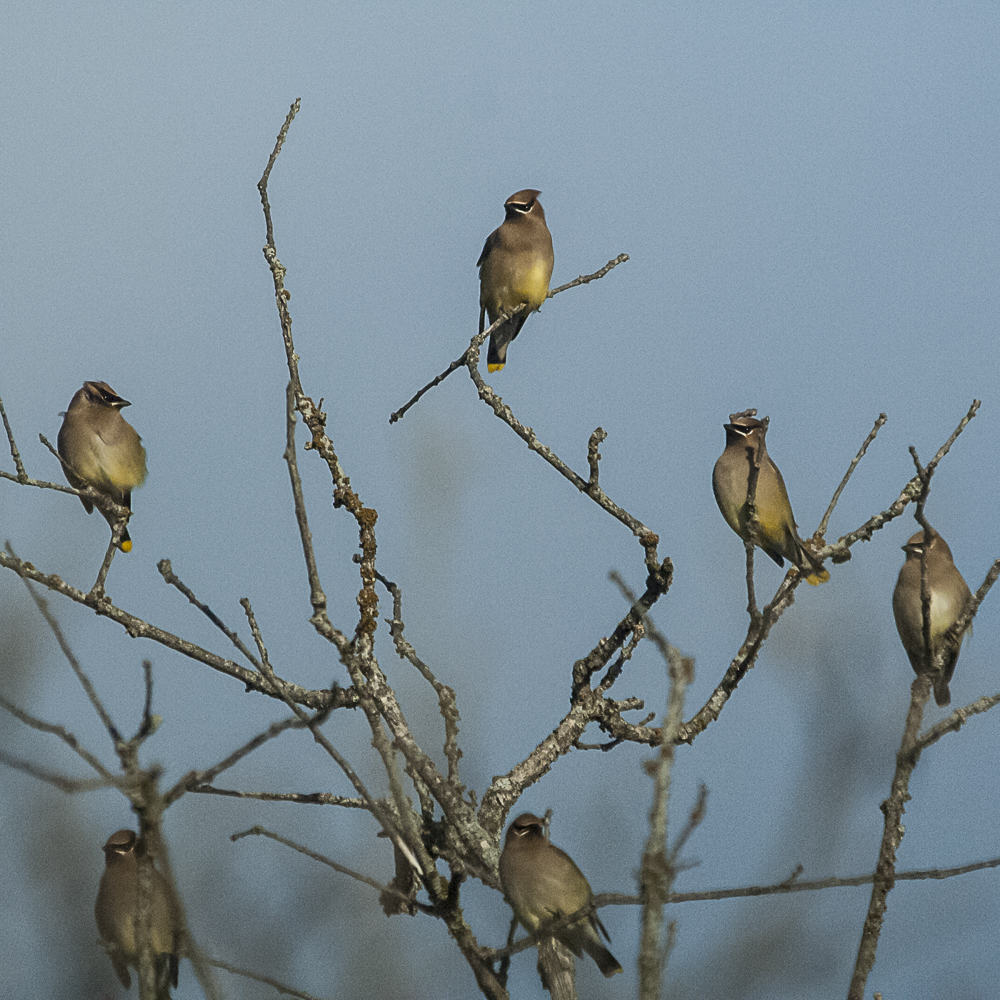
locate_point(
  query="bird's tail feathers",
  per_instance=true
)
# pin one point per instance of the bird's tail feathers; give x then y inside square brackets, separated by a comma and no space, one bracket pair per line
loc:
[496,356]
[606,962]
[942,693]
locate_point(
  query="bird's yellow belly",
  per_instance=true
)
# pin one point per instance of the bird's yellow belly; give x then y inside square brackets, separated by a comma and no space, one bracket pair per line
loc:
[530,285]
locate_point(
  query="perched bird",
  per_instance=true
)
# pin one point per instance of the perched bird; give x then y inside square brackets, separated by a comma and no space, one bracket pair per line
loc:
[542,883]
[101,450]
[117,911]
[514,267]
[949,595]
[776,531]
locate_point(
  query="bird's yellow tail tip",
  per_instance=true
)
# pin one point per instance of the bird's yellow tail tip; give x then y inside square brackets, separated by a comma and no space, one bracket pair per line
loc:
[817,578]
[127,547]
[496,368]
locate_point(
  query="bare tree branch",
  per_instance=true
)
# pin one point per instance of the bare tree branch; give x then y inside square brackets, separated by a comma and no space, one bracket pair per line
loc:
[305,798]
[955,721]
[480,338]
[137,628]
[657,870]
[22,476]
[64,734]
[590,487]
[892,836]
[81,676]
[166,570]
[447,705]
[909,751]
[287,991]
[197,780]
[61,781]
[793,884]
[317,596]
[821,530]
[260,831]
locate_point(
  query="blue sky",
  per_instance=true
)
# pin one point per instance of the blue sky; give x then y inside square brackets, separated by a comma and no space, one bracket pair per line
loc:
[809,199]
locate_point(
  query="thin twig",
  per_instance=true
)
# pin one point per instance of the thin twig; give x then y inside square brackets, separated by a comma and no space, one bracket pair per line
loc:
[262,183]
[753,455]
[481,337]
[647,538]
[260,831]
[695,817]
[195,780]
[892,835]
[138,628]
[594,456]
[305,798]
[166,570]
[317,596]
[315,420]
[148,724]
[955,721]
[257,977]
[962,424]
[458,362]
[839,551]
[879,424]
[791,885]
[56,730]
[150,829]
[586,705]
[585,279]
[624,655]
[22,476]
[43,484]
[924,476]
[376,808]
[657,868]
[61,781]
[81,675]
[97,590]
[447,705]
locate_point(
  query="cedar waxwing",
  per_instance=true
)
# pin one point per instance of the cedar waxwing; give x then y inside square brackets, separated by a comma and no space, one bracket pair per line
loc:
[776,532]
[102,449]
[949,595]
[514,267]
[117,910]
[542,883]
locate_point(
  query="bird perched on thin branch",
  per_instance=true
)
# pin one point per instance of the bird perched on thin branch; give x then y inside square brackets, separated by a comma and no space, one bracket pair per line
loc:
[100,449]
[117,914]
[514,268]
[949,597]
[542,884]
[776,532]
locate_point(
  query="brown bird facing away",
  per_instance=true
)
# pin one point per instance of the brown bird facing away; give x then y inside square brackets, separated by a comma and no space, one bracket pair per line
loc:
[102,450]
[949,594]
[542,884]
[117,913]
[514,267]
[776,531]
